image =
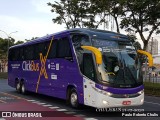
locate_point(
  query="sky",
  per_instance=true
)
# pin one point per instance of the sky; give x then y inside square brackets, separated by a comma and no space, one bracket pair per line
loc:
[31,18]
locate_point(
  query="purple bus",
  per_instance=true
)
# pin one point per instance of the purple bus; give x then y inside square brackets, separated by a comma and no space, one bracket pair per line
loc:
[83,66]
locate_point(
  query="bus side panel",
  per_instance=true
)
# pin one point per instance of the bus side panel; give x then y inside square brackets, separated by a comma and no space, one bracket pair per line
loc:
[61,73]
[22,70]
[11,76]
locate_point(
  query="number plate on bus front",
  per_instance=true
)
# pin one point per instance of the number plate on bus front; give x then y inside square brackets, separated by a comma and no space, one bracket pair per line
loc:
[126,102]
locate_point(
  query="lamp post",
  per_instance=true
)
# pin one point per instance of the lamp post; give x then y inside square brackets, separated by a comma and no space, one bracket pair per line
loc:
[9,36]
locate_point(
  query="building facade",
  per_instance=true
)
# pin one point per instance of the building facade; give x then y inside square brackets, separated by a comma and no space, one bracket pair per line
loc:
[153,47]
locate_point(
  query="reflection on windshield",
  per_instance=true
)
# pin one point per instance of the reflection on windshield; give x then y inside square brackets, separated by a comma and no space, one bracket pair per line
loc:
[120,63]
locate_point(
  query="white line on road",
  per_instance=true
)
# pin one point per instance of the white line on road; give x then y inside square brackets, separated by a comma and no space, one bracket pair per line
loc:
[35,102]
[30,100]
[54,107]
[152,103]
[91,119]
[62,110]
[46,105]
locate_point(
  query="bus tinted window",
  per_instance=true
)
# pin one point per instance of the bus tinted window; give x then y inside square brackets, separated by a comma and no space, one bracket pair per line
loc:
[28,52]
[40,48]
[21,56]
[14,54]
[52,52]
[64,49]
[88,66]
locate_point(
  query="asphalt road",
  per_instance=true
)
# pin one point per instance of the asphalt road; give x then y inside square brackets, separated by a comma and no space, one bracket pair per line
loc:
[151,104]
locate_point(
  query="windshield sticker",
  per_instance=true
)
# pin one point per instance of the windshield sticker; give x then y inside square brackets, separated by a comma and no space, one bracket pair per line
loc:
[130,47]
[104,43]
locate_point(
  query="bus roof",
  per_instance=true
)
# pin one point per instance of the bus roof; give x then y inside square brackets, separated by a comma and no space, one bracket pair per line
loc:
[93,33]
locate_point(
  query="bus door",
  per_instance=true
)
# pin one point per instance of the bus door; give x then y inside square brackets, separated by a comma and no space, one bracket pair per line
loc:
[89,78]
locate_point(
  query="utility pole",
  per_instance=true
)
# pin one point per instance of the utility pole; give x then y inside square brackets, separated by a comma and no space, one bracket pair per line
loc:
[150,71]
[152,45]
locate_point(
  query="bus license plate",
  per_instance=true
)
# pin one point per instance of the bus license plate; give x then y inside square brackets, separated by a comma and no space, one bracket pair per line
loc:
[126,102]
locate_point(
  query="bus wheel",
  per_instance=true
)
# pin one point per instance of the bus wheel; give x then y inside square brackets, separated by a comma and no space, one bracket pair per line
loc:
[74,99]
[23,89]
[18,87]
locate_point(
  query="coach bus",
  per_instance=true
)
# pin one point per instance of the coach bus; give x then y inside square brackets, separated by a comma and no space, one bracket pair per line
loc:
[83,66]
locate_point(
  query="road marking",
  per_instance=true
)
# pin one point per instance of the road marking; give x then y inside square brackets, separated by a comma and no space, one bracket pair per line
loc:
[3,101]
[30,100]
[14,96]
[152,103]
[36,102]
[62,110]
[46,105]
[91,119]
[54,107]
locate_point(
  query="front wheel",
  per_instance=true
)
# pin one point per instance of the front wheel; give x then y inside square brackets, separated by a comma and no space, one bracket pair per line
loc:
[74,99]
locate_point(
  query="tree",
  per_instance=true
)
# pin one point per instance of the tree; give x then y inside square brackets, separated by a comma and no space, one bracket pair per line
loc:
[77,13]
[4,43]
[142,16]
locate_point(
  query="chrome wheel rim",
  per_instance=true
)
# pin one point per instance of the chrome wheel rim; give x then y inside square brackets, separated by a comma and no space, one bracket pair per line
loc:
[73,99]
[23,89]
[18,86]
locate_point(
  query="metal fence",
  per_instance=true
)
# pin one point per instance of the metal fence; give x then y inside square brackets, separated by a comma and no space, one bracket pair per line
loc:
[153,78]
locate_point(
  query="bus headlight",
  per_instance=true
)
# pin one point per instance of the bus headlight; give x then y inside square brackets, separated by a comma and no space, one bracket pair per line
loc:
[105,102]
[141,92]
[107,93]
[142,100]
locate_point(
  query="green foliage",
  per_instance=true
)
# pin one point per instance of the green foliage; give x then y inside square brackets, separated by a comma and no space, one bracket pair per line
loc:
[77,13]
[3,75]
[152,88]
[141,16]
[4,44]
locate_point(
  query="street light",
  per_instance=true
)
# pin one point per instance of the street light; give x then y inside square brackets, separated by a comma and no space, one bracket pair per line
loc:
[9,36]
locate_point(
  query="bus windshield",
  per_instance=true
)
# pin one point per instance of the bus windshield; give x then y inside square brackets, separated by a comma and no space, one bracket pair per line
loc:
[120,63]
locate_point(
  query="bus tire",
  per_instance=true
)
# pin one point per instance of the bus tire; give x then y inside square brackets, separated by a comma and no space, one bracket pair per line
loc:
[23,89]
[73,99]
[18,86]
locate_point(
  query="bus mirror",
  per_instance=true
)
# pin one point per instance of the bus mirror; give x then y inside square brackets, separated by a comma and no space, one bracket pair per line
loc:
[150,58]
[96,52]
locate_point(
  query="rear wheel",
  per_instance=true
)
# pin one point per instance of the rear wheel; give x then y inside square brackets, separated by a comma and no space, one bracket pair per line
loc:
[23,89]
[74,99]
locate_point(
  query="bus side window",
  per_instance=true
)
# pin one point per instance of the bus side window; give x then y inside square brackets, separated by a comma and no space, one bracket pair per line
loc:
[64,49]
[21,56]
[15,54]
[88,66]
[52,52]
[40,48]
[10,55]
[28,52]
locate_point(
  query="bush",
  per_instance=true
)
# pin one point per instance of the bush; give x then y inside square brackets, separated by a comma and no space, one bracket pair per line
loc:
[152,88]
[3,75]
